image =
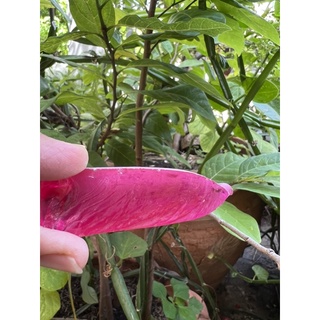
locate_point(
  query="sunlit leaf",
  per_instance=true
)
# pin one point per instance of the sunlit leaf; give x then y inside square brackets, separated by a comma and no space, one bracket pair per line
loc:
[52,280]
[49,304]
[239,220]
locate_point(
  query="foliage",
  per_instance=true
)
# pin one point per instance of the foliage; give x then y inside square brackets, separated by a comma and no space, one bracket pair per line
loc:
[50,281]
[179,305]
[148,75]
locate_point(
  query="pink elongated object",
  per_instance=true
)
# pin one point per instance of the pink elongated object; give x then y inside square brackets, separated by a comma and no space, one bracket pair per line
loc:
[103,200]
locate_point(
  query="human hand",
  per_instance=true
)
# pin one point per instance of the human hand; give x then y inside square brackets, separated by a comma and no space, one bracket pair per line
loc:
[58,249]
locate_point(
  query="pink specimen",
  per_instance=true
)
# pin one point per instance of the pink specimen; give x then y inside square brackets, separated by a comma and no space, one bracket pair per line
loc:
[102,200]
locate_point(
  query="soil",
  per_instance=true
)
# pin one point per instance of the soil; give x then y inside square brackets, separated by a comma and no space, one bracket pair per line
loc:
[236,298]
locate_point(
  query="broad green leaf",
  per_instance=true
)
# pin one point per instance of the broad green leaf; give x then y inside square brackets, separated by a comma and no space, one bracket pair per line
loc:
[88,295]
[187,15]
[159,290]
[261,188]
[268,92]
[223,167]
[128,244]
[186,77]
[163,108]
[90,104]
[86,15]
[49,304]
[194,25]
[233,38]
[180,289]
[239,220]
[52,280]
[260,165]
[250,19]
[260,273]
[120,153]
[191,96]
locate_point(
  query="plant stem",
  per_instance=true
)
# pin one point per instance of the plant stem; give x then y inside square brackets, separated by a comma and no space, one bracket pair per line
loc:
[268,252]
[142,86]
[71,297]
[105,300]
[239,113]
[118,282]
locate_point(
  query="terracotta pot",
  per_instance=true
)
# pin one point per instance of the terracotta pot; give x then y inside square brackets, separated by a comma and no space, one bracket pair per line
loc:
[205,236]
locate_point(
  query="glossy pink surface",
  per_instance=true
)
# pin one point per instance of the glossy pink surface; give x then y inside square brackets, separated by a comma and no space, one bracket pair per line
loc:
[102,200]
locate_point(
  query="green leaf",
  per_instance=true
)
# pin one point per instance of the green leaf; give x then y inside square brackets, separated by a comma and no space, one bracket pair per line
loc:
[233,38]
[268,91]
[120,153]
[260,273]
[156,125]
[52,44]
[160,291]
[89,295]
[260,165]
[180,289]
[52,280]
[195,306]
[187,77]
[261,188]
[223,167]
[194,25]
[49,304]
[189,95]
[250,19]
[95,160]
[86,15]
[239,220]
[90,104]
[187,15]
[128,244]
[46,103]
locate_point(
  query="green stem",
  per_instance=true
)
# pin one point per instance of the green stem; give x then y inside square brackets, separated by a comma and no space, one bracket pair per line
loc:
[205,288]
[240,112]
[118,282]
[71,298]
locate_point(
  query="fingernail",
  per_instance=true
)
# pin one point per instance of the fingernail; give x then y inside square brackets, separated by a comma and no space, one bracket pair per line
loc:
[60,262]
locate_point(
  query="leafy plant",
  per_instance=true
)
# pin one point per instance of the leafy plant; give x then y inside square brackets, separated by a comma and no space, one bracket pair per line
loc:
[180,305]
[50,282]
[153,74]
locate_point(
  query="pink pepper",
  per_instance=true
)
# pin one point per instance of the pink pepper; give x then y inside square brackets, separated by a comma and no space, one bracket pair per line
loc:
[103,200]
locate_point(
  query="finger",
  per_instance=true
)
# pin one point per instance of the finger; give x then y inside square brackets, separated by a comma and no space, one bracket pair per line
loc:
[60,159]
[62,250]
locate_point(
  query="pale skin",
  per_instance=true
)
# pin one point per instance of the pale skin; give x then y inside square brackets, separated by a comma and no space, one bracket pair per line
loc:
[58,249]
